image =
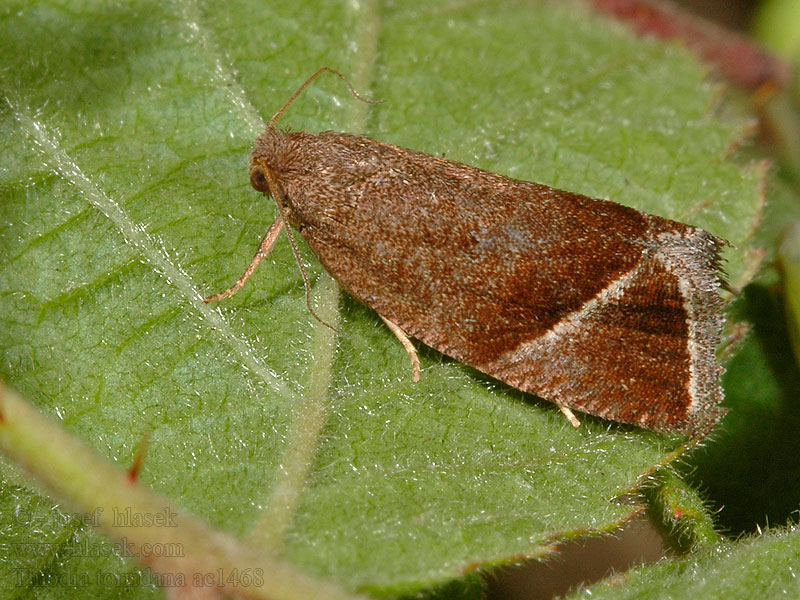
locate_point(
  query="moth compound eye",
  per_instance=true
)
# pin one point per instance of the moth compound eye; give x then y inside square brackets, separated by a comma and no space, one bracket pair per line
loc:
[258,180]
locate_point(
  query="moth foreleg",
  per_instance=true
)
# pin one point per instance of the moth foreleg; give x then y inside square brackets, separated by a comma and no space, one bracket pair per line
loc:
[412,352]
[266,246]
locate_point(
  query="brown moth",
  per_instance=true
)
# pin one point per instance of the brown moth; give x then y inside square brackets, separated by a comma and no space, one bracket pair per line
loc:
[587,303]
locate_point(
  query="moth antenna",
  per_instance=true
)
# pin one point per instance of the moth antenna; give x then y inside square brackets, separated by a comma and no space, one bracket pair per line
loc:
[304,274]
[307,83]
[274,190]
[726,286]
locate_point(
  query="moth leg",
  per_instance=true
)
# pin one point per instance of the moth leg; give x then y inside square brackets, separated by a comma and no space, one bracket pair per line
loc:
[412,352]
[266,246]
[570,416]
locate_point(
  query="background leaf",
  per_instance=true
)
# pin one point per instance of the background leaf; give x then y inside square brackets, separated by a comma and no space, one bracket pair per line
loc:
[126,131]
[759,567]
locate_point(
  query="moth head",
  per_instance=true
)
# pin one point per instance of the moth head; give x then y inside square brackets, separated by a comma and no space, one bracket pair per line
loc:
[274,161]
[258,177]
[265,179]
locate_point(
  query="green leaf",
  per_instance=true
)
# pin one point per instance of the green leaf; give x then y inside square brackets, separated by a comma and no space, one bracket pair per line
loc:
[177,549]
[760,567]
[126,131]
[681,513]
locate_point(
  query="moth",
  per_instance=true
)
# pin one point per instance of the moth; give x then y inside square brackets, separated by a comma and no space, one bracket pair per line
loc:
[592,305]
